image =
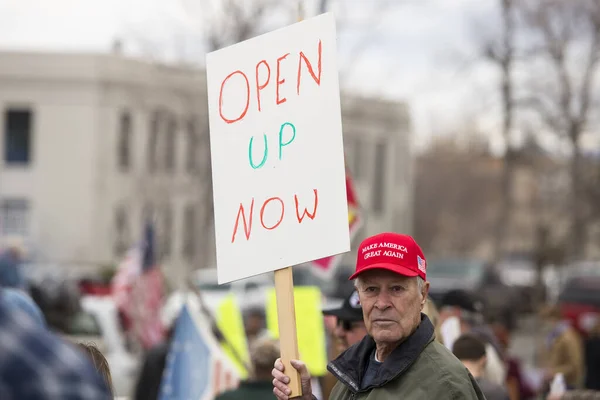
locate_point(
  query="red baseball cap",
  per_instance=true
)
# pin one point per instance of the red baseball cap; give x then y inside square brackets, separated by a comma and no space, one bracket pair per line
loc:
[392,251]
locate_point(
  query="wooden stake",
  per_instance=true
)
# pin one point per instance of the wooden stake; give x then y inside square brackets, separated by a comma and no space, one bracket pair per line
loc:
[288,337]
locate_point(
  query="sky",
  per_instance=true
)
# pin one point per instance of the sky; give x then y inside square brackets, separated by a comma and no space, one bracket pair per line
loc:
[423,52]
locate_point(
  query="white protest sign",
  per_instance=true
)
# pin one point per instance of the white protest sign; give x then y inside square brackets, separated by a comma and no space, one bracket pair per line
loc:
[277,150]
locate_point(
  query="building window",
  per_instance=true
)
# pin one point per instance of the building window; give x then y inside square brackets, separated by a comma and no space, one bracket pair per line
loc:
[122,233]
[153,141]
[17,136]
[166,232]
[124,142]
[171,144]
[378,201]
[15,217]
[189,233]
[191,164]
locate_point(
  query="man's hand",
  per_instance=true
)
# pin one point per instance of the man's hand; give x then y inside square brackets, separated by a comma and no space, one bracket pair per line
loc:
[281,381]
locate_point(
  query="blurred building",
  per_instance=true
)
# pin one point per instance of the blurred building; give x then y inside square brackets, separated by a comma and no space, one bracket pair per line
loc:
[94,145]
[378,153]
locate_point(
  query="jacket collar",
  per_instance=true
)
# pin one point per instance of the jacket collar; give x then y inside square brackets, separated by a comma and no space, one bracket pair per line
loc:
[350,366]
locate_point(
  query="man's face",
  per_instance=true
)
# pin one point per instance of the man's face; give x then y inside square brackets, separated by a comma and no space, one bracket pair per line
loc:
[391,304]
[348,333]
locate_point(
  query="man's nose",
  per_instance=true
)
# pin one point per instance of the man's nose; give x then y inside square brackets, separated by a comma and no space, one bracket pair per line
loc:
[383,300]
[339,331]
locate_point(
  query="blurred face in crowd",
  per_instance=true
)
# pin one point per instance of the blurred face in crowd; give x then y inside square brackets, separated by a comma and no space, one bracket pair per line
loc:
[348,333]
[455,312]
[391,303]
[255,323]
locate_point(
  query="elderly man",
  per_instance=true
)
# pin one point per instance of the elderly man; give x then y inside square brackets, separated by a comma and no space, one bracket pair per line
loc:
[399,357]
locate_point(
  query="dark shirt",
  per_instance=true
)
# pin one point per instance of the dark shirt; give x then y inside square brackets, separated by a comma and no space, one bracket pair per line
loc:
[592,363]
[491,390]
[371,371]
[248,390]
[148,384]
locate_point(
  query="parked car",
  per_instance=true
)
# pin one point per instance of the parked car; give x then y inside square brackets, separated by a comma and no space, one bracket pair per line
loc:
[579,301]
[520,274]
[477,277]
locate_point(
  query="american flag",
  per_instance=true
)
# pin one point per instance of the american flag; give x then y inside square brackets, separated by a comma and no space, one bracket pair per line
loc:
[138,291]
[422,264]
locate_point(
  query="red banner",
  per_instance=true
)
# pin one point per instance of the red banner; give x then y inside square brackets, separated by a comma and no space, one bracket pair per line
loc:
[327,265]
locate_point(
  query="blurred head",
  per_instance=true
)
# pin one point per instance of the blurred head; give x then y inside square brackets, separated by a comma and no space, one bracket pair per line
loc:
[462,305]
[350,328]
[15,247]
[390,279]
[99,362]
[551,313]
[470,350]
[263,354]
[431,311]
[254,321]
[19,300]
[501,332]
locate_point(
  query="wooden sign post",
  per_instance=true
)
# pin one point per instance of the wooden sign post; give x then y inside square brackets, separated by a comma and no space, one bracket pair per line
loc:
[286,314]
[277,158]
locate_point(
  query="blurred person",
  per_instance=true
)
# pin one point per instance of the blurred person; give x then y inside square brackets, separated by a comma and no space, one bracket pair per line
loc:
[11,274]
[350,327]
[592,358]
[434,316]
[255,323]
[150,378]
[18,299]
[399,358]
[263,353]
[38,365]
[562,350]
[518,388]
[470,350]
[460,304]
[99,362]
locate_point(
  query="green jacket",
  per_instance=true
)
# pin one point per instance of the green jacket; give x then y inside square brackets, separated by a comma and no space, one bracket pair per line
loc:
[418,369]
[250,391]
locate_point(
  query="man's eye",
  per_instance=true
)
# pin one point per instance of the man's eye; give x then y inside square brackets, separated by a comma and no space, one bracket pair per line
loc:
[397,288]
[370,289]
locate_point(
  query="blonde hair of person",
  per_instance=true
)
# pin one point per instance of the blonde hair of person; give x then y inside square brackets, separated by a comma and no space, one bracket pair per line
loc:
[99,362]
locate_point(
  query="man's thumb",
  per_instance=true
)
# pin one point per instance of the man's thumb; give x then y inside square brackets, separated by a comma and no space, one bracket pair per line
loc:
[301,368]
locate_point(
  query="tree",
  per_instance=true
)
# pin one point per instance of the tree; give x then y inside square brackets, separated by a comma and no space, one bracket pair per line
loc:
[502,53]
[559,30]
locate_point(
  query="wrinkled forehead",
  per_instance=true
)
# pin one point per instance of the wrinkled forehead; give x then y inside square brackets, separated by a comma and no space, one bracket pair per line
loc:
[382,276]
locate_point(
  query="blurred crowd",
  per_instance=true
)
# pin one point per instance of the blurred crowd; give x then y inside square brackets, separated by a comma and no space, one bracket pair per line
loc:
[40,363]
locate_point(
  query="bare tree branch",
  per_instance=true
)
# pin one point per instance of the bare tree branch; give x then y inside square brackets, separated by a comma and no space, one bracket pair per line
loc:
[563,27]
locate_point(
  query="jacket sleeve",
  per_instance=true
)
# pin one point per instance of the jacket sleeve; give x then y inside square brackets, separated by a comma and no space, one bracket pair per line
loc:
[457,388]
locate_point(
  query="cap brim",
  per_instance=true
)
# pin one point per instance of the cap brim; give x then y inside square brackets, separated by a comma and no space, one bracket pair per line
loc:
[344,314]
[399,269]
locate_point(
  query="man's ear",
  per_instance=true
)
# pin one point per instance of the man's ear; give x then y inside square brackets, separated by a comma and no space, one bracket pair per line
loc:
[425,293]
[483,361]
